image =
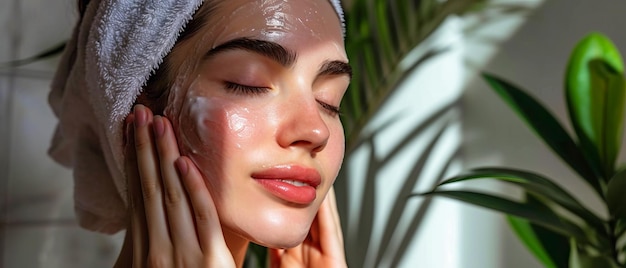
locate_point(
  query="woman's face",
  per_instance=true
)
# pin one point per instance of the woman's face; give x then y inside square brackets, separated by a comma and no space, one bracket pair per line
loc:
[255,107]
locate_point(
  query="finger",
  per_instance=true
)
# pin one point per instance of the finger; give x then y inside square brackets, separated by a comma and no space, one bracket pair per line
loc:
[332,199]
[329,227]
[208,226]
[275,256]
[180,220]
[137,230]
[147,160]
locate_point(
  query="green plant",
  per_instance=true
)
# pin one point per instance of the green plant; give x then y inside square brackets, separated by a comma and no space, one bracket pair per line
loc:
[379,36]
[554,225]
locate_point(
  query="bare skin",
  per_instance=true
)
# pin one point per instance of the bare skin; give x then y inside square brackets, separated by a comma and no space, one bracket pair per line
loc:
[250,144]
[174,221]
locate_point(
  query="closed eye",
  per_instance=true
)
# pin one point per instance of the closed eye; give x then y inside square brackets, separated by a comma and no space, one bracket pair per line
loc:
[244,89]
[330,109]
[253,90]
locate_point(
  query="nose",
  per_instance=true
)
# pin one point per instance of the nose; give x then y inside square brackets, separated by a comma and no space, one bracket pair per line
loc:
[303,126]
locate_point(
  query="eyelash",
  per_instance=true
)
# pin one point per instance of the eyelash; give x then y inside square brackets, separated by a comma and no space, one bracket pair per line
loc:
[331,109]
[246,90]
[251,90]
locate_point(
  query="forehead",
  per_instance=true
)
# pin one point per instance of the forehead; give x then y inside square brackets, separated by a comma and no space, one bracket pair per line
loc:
[289,22]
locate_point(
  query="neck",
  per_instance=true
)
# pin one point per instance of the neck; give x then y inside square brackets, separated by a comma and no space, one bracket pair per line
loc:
[237,246]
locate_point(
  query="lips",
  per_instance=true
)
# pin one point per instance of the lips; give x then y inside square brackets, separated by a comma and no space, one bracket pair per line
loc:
[291,183]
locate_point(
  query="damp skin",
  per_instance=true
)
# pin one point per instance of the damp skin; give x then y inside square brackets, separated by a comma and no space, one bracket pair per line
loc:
[199,108]
[207,120]
[229,135]
[279,19]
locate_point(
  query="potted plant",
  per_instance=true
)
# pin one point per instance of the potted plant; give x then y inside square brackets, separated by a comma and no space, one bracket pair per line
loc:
[559,229]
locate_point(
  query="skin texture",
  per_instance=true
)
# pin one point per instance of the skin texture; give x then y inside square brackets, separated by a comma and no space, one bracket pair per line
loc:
[285,126]
[235,113]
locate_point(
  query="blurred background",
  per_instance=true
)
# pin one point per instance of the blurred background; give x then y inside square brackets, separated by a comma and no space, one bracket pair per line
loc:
[526,41]
[37,222]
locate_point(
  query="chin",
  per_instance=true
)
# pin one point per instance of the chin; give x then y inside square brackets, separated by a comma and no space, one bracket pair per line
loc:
[277,230]
[281,239]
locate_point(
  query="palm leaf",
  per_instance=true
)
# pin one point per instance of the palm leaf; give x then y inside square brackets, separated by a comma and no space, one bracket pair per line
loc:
[616,195]
[550,248]
[380,34]
[541,215]
[547,127]
[526,234]
[537,185]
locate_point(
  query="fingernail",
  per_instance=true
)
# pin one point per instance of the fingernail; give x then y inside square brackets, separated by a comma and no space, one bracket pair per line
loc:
[158,126]
[182,167]
[140,115]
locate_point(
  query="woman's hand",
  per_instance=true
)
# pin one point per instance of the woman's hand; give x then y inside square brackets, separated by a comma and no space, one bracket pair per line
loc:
[323,247]
[171,224]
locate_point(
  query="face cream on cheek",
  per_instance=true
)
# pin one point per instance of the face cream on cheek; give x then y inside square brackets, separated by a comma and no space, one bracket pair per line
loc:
[200,137]
[197,123]
[240,125]
[192,118]
[210,124]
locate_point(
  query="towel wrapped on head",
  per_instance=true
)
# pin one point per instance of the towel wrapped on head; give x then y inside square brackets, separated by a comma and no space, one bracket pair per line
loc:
[114,49]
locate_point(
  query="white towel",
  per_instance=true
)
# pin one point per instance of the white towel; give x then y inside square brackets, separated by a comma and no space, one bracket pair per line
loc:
[113,51]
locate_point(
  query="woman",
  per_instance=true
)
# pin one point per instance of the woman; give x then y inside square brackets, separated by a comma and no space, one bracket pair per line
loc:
[247,141]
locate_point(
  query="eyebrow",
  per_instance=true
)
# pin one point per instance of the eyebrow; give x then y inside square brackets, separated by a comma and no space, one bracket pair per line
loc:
[335,67]
[268,49]
[278,53]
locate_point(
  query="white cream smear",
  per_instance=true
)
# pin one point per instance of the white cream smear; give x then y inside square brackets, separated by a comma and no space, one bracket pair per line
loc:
[209,115]
[278,19]
[197,110]
[240,125]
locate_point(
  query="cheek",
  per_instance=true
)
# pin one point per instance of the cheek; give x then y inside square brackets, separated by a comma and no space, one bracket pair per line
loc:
[201,123]
[336,147]
[213,129]
[240,126]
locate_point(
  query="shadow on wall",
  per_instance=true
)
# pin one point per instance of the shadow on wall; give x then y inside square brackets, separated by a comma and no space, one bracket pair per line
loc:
[386,228]
[408,146]
[533,58]
[387,250]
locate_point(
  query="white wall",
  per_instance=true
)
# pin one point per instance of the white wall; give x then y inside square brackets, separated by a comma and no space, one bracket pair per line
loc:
[36,223]
[534,57]
[529,48]
[410,119]
[37,227]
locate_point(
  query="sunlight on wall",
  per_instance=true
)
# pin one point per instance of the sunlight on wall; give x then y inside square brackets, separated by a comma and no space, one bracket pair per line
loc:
[481,230]
[419,120]
[448,234]
[534,57]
